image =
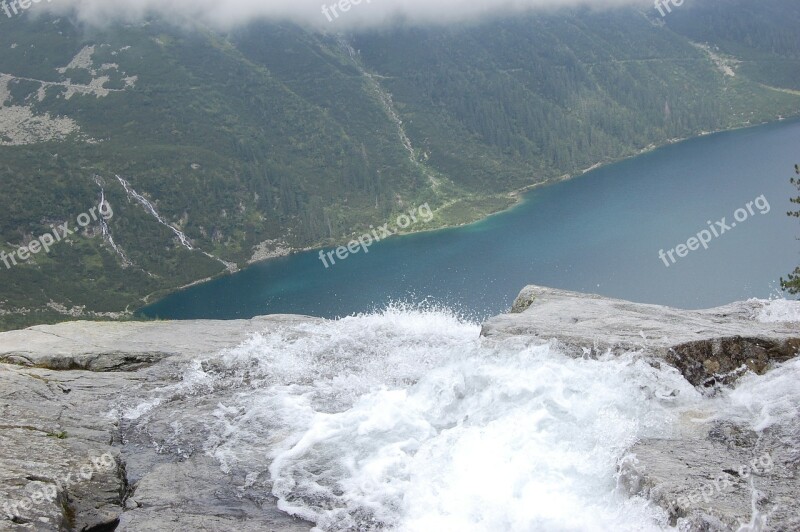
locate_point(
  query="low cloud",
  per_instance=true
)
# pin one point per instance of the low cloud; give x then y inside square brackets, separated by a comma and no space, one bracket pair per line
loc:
[331,15]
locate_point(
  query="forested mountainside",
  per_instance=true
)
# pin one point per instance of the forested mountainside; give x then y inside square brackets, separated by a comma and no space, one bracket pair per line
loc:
[214,148]
[764,49]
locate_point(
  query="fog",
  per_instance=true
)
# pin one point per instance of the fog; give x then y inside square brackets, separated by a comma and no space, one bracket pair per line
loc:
[330,15]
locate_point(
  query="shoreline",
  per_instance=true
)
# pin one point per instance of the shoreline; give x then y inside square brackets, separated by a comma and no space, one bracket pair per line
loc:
[517,196]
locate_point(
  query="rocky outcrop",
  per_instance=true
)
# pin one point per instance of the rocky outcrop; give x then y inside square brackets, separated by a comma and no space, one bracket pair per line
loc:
[719,480]
[65,461]
[109,347]
[70,461]
[708,346]
[717,475]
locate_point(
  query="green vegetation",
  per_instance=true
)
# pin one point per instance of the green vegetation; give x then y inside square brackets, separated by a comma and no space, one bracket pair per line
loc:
[762,36]
[792,283]
[274,133]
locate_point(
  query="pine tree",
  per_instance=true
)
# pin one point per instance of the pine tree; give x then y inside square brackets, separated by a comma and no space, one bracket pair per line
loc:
[792,283]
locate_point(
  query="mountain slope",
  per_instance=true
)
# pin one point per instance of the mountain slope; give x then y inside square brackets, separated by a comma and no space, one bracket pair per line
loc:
[273,137]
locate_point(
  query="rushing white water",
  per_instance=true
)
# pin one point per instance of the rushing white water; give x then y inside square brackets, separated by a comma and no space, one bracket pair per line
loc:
[761,402]
[408,420]
[779,310]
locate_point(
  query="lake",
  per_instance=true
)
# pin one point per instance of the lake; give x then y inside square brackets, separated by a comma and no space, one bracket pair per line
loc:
[601,233]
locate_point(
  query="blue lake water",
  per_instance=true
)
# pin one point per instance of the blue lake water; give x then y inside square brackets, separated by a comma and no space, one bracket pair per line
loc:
[598,233]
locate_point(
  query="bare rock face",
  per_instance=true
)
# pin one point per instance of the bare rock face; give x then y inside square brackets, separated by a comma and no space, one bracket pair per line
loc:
[722,360]
[65,462]
[58,468]
[108,346]
[714,486]
[707,346]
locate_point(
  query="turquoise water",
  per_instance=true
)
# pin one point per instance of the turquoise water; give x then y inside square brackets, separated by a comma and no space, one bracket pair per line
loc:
[598,233]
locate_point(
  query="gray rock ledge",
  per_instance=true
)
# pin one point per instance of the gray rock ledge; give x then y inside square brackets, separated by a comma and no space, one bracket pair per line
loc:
[708,346]
[57,386]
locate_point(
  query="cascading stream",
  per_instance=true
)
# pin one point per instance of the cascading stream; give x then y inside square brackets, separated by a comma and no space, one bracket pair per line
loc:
[409,420]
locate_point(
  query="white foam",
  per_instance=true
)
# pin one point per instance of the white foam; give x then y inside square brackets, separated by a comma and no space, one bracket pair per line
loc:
[779,310]
[765,401]
[407,420]
[526,440]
